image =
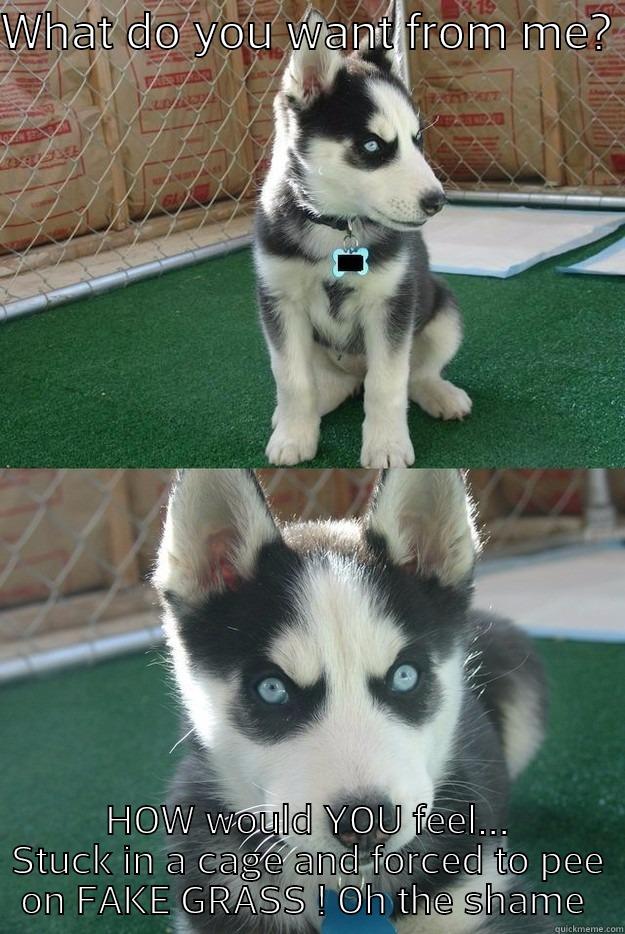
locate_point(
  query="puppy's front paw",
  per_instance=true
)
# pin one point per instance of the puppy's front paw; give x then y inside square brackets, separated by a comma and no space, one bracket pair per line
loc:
[293,442]
[440,398]
[383,447]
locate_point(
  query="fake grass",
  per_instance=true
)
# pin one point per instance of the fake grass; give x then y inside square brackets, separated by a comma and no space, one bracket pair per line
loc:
[174,372]
[77,741]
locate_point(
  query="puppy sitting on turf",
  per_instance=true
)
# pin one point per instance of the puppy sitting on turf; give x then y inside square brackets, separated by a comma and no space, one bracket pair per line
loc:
[345,291]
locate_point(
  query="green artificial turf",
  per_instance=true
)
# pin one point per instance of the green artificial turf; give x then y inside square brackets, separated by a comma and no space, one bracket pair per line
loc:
[173,372]
[78,741]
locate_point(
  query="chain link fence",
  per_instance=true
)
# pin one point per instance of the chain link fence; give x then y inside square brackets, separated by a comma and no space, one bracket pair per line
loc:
[119,163]
[77,546]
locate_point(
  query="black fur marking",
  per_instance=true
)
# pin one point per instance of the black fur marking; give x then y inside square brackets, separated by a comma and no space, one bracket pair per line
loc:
[343,115]
[442,295]
[347,104]
[270,315]
[354,345]
[336,292]
[279,235]
[401,310]
[232,630]
[380,57]
[384,247]
[327,220]
[419,297]
[429,612]
[416,706]
[339,114]
[369,161]
[230,634]
[273,722]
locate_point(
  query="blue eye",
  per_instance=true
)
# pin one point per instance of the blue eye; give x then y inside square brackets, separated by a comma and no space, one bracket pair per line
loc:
[418,139]
[404,678]
[272,691]
[371,145]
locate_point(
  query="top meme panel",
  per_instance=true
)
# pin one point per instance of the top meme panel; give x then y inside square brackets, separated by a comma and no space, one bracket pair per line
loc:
[244,234]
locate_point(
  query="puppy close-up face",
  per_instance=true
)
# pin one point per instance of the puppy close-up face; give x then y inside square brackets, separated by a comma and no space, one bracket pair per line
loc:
[321,663]
[355,136]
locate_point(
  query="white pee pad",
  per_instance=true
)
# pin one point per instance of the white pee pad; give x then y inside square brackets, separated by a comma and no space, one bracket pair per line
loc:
[503,241]
[608,262]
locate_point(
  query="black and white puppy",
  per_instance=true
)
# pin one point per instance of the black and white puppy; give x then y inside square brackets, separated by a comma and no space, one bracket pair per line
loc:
[349,151]
[333,663]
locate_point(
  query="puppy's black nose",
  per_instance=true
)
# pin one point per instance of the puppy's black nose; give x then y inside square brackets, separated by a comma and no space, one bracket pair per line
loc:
[432,202]
[364,823]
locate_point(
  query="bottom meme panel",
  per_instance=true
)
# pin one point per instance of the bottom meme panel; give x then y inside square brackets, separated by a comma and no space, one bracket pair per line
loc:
[312,701]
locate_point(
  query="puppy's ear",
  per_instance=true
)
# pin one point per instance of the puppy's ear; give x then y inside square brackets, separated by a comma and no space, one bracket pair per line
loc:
[217,522]
[311,72]
[387,60]
[425,518]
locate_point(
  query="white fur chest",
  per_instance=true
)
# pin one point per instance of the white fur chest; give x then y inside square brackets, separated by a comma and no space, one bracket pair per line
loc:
[336,307]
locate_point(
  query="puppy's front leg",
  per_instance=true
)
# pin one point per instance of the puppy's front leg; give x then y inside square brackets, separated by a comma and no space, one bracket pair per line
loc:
[296,418]
[385,438]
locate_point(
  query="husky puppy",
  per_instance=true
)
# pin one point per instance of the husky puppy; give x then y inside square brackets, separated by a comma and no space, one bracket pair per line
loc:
[348,160]
[340,664]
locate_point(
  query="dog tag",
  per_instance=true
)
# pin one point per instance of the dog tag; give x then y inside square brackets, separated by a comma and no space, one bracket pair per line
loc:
[337,922]
[350,260]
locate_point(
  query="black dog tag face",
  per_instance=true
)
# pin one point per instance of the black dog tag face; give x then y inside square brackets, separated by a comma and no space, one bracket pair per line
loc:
[353,260]
[350,262]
